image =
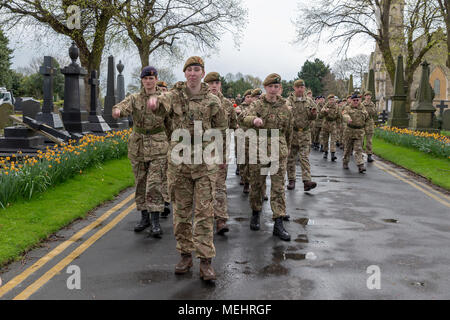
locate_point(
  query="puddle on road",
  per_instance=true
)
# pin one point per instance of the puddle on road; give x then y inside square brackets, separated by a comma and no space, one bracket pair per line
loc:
[302,238]
[300,209]
[274,270]
[239,262]
[240,219]
[295,256]
[390,220]
[304,221]
[150,276]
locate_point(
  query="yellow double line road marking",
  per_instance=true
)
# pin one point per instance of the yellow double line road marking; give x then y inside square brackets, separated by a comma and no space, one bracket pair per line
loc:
[25,294]
[60,248]
[432,193]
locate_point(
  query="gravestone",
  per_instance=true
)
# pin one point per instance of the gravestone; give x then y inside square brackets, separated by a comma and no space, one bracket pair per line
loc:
[111,99]
[96,122]
[47,115]
[442,106]
[398,116]
[422,111]
[121,88]
[74,114]
[371,85]
[6,109]
[446,120]
[30,108]
[350,85]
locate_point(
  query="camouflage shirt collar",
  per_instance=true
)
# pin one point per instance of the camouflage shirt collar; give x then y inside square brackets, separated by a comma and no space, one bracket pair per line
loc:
[146,95]
[278,103]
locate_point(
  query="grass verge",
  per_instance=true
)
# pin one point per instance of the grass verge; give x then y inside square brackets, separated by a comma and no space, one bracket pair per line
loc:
[437,170]
[24,224]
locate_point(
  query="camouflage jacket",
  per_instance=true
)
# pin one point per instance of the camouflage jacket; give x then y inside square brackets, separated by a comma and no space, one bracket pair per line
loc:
[240,118]
[301,112]
[230,112]
[373,114]
[359,117]
[275,115]
[148,140]
[329,113]
[319,107]
[183,110]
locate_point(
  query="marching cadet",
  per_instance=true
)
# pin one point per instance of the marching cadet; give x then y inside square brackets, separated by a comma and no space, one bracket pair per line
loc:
[356,118]
[256,94]
[304,113]
[220,200]
[192,186]
[162,85]
[339,124]
[243,168]
[147,151]
[270,112]
[329,114]
[320,102]
[370,127]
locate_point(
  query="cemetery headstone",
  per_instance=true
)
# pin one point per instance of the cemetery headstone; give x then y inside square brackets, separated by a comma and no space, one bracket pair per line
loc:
[47,115]
[111,99]
[96,122]
[74,114]
[446,120]
[398,116]
[6,109]
[30,108]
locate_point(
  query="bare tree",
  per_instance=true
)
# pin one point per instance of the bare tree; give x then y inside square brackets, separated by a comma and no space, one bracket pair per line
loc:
[171,24]
[344,21]
[356,65]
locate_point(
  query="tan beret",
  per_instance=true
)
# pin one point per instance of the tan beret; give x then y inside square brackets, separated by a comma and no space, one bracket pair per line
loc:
[299,83]
[256,92]
[161,84]
[248,93]
[349,96]
[212,76]
[367,93]
[330,96]
[272,78]
[197,61]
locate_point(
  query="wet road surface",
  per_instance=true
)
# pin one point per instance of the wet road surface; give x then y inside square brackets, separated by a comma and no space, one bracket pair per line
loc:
[338,230]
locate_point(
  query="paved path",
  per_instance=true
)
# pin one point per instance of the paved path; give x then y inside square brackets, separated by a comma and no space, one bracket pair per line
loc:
[348,223]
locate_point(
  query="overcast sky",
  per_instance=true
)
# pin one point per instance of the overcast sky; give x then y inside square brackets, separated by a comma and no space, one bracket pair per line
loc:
[265,46]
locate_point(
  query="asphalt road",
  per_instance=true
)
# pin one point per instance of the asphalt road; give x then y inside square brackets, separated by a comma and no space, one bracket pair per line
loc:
[343,232]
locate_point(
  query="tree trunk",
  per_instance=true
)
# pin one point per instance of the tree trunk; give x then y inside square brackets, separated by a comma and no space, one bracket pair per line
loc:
[144,54]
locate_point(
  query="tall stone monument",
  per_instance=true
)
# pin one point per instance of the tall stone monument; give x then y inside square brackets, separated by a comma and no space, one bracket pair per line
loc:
[74,114]
[371,85]
[422,111]
[96,122]
[398,116]
[47,115]
[350,85]
[121,88]
[111,99]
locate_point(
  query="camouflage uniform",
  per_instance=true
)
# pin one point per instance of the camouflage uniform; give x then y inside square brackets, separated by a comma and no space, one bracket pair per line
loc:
[370,126]
[301,136]
[192,186]
[329,128]
[147,151]
[275,115]
[220,200]
[317,125]
[243,168]
[354,132]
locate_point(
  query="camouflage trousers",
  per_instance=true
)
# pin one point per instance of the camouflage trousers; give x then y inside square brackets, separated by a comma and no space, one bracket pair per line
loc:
[277,192]
[328,133]
[353,142]
[368,139]
[339,132]
[193,213]
[301,146]
[151,184]
[244,168]
[220,198]
[315,134]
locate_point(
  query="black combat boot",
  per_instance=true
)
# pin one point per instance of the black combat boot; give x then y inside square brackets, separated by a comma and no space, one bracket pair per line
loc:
[345,165]
[166,210]
[279,231]
[286,217]
[361,168]
[369,158]
[333,156]
[254,222]
[246,188]
[237,171]
[144,223]
[321,148]
[156,230]
[291,185]
[325,155]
